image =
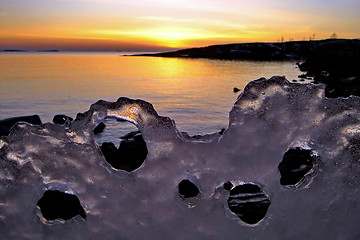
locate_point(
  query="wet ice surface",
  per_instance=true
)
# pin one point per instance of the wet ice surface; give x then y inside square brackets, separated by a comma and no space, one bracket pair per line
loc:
[270,118]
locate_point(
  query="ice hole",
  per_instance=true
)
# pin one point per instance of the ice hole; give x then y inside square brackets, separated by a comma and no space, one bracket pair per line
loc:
[296,164]
[248,202]
[187,189]
[59,205]
[122,145]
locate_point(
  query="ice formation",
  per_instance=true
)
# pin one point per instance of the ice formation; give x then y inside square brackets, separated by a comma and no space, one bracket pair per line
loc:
[236,174]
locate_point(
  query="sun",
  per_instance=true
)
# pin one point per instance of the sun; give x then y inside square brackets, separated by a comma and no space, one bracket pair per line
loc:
[172,37]
[168,37]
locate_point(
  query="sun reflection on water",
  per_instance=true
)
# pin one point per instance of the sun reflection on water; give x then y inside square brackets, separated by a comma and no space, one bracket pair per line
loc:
[197,93]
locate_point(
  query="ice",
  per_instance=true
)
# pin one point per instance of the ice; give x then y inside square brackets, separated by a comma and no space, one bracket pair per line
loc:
[270,118]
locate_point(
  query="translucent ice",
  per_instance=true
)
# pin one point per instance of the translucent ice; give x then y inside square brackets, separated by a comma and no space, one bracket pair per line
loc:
[270,118]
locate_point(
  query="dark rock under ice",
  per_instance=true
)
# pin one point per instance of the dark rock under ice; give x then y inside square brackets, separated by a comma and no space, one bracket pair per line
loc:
[62,119]
[7,124]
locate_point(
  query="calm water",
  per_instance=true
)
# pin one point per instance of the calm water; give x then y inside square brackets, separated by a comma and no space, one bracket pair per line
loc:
[196,93]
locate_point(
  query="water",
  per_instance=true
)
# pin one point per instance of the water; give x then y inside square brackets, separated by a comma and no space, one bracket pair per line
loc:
[196,93]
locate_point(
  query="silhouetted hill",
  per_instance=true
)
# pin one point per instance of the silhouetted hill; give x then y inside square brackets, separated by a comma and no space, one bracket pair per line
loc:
[251,51]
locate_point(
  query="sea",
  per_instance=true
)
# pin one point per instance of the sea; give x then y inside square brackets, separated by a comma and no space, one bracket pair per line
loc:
[196,93]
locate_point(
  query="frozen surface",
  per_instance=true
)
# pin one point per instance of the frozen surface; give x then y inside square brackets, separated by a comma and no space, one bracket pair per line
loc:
[269,118]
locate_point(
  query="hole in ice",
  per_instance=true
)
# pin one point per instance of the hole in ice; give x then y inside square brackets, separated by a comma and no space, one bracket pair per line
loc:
[130,155]
[248,202]
[132,150]
[55,204]
[187,189]
[296,163]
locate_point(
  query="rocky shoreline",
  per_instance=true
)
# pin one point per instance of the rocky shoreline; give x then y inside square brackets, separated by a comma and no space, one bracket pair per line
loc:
[335,64]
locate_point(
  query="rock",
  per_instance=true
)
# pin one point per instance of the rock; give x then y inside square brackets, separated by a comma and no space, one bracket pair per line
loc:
[228,185]
[133,153]
[61,119]
[110,152]
[99,128]
[202,138]
[236,90]
[6,124]
[332,63]
[130,135]
[59,205]
[221,132]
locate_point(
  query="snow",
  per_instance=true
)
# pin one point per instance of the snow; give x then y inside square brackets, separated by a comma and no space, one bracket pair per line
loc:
[270,117]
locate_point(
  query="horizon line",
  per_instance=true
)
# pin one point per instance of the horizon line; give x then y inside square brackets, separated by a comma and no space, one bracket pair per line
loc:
[39,49]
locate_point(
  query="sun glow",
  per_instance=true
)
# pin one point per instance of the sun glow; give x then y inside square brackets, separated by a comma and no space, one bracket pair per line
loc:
[173,39]
[114,25]
[168,37]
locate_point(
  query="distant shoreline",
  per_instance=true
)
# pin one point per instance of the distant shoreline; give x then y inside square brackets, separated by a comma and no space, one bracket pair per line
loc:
[121,53]
[267,51]
[27,51]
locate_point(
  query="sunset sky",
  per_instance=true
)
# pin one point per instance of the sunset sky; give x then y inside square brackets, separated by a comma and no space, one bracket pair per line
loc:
[154,25]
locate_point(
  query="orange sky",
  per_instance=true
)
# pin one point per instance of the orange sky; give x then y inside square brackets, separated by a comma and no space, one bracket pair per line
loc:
[154,25]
